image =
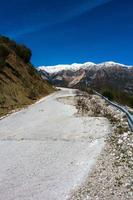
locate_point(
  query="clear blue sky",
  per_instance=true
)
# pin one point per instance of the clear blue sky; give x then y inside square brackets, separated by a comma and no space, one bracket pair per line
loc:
[67,31]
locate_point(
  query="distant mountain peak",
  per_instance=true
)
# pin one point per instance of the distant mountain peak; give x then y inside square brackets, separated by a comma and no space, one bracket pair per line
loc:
[78,66]
[111,63]
[61,67]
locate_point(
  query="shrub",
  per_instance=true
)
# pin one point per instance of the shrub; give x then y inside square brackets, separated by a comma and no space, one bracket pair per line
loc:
[2,64]
[4,52]
[4,39]
[90,91]
[131,102]
[108,94]
[33,94]
[2,99]
[32,71]
[23,52]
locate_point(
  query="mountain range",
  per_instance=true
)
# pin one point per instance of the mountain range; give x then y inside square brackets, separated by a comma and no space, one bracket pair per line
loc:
[116,77]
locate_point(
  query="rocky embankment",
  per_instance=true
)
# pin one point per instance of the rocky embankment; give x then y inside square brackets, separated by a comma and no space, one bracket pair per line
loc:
[111,179]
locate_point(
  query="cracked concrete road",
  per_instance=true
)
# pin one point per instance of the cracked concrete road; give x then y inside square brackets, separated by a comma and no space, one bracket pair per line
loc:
[46,151]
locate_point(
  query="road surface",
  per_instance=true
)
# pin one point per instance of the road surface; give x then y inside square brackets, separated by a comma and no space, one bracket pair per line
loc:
[46,151]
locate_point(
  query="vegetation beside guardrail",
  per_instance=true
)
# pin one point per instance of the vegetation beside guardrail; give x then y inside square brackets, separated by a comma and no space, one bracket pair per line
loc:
[120,107]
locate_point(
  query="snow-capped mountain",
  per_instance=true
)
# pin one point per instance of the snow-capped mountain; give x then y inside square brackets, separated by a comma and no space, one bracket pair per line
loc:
[107,74]
[58,68]
[78,66]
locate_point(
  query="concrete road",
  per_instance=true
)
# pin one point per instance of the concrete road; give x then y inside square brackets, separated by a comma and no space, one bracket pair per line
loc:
[46,151]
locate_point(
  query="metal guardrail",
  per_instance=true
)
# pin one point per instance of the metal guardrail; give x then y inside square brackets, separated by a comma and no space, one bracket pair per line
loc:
[121,108]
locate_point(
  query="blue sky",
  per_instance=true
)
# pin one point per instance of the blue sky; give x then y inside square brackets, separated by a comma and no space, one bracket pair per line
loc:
[68,31]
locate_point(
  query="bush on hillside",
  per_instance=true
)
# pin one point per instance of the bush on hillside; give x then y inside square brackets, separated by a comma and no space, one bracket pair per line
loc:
[2,99]
[131,102]
[4,52]
[4,39]
[108,94]
[33,94]
[90,90]
[21,50]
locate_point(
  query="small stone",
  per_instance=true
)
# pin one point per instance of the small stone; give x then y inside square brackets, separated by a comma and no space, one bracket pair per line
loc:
[125,135]
[120,141]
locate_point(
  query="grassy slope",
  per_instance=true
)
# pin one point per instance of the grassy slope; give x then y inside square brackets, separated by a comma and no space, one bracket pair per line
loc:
[20,82]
